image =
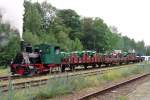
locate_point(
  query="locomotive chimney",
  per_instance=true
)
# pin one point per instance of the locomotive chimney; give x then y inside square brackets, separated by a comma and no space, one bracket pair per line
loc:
[22,45]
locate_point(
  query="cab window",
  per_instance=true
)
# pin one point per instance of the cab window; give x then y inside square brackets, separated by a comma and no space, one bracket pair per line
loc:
[57,50]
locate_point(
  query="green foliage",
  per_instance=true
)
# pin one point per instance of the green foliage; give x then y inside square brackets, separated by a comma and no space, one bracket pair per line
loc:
[8,43]
[147,50]
[95,34]
[8,52]
[3,70]
[31,38]
[122,98]
[48,38]
[32,18]
[76,44]
[70,19]
[63,40]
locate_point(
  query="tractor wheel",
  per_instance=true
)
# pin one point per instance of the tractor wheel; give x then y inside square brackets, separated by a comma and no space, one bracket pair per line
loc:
[63,68]
[72,67]
[94,65]
[99,65]
[120,63]
[85,66]
[107,65]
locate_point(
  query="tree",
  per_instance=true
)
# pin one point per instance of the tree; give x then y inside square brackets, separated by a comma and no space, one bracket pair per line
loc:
[70,19]
[76,45]
[95,34]
[48,13]
[32,18]
[31,38]
[9,51]
[147,50]
[140,47]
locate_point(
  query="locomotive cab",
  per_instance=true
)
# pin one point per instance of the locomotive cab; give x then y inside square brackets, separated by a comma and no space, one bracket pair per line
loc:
[49,54]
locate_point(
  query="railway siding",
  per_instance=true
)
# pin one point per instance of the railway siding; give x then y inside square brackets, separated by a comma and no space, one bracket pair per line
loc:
[37,81]
[103,94]
[18,79]
[72,84]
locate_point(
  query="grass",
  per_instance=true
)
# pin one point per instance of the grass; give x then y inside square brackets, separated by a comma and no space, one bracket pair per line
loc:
[4,71]
[122,98]
[67,85]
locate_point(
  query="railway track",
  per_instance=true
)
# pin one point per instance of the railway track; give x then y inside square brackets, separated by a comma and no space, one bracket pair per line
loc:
[43,81]
[109,89]
[35,83]
[13,77]
[5,78]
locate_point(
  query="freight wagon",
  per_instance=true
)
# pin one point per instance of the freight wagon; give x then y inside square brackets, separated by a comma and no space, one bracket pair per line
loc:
[44,57]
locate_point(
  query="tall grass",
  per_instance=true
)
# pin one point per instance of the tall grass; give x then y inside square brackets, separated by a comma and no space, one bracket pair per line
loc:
[122,98]
[4,71]
[67,85]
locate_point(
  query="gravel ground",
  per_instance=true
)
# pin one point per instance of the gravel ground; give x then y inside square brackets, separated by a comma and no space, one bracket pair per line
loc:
[116,94]
[142,92]
[125,92]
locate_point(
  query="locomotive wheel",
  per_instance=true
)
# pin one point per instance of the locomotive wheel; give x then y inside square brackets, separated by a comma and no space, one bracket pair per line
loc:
[33,71]
[13,73]
[27,71]
[30,71]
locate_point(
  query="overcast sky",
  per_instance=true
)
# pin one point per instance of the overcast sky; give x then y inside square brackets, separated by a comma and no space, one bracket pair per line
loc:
[131,17]
[12,12]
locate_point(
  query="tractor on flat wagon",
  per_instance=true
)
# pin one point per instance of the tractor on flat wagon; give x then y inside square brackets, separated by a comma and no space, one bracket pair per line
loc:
[42,58]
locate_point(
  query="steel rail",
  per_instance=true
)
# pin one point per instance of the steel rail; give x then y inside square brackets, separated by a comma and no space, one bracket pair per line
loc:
[6,78]
[107,89]
[38,82]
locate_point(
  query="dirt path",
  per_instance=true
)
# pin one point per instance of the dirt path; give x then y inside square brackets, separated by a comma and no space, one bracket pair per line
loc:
[142,92]
[121,93]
